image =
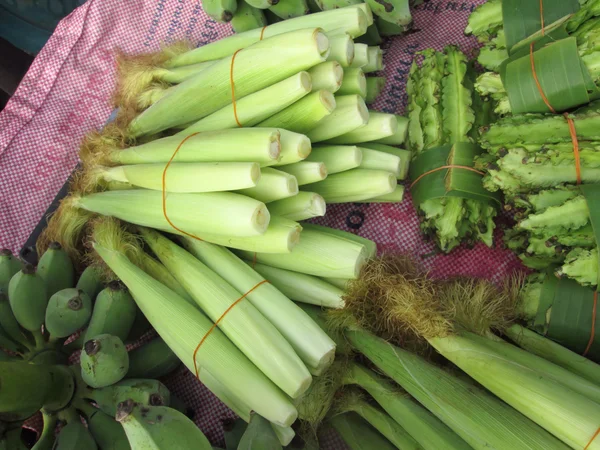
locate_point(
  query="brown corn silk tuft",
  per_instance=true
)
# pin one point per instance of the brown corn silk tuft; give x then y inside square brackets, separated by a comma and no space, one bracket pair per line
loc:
[314,406]
[137,73]
[395,299]
[68,223]
[115,235]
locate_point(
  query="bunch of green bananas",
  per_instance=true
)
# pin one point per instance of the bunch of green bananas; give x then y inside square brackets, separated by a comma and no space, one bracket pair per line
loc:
[41,308]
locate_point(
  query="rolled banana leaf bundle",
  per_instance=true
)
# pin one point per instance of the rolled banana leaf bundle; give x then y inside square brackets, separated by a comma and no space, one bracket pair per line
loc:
[535,70]
[533,160]
[446,189]
[562,311]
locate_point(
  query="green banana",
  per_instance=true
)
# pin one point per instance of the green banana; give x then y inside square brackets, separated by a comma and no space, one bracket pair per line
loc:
[26,388]
[48,356]
[220,10]
[9,265]
[104,361]
[6,357]
[9,324]
[159,427]
[144,392]
[394,11]
[259,435]
[152,360]
[140,326]
[288,9]
[48,436]
[325,5]
[11,439]
[247,17]
[75,436]
[387,28]
[179,405]
[371,37]
[7,344]
[90,281]
[114,312]
[28,299]
[68,310]
[56,269]
[108,434]
[234,430]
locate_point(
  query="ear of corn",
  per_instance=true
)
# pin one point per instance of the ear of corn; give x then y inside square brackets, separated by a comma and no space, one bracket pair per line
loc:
[182,327]
[353,20]
[245,326]
[303,206]
[241,145]
[256,107]
[256,67]
[303,115]
[236,215]
[308,340]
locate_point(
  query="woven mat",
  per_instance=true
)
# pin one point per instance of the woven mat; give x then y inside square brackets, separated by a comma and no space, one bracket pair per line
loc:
[66,93]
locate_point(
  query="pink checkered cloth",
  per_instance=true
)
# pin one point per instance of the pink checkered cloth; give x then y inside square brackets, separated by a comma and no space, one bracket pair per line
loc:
[66,93]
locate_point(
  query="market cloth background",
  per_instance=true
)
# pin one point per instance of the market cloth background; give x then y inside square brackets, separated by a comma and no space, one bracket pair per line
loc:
[66,93]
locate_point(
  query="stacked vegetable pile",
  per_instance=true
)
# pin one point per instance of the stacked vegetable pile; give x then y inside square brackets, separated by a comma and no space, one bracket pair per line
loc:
[494,395]
[544,56]
[531,160]
[444,117]
[564,59]
[393,17]
[41,308]
[241,173]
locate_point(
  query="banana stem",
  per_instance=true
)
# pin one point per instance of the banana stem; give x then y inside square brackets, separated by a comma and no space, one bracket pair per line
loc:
[47,435]
[69,415]
[40,342]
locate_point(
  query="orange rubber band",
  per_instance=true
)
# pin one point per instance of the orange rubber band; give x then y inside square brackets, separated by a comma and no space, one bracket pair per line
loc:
[537,81]
[164,189]
[575,141]
[592,440]
[593,332]
[442,168]
[233,89]
[214,325]
[262,32]
[542,17]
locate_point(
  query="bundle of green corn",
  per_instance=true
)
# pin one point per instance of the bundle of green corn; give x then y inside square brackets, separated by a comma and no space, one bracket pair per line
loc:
[242,172]
[536,161]
[538,403]
[442,130]
[543,56]
[239,308]
[41,308]
[393,17]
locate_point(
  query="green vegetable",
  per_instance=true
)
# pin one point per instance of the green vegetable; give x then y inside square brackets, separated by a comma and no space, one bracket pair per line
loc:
[441,113]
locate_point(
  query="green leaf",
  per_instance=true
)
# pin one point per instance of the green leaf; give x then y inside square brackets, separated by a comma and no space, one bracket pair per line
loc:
[565,315]
[563,78]
[524,18]
[591,192]
[453,182]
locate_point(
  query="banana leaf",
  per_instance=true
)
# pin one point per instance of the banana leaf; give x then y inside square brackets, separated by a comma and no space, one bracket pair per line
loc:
[523,18]
[563,77]
[453,182]
[591,192]
[565,314]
